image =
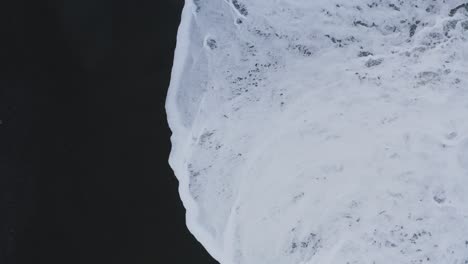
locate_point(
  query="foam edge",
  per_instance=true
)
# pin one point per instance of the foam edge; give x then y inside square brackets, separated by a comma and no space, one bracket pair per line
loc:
[180,138]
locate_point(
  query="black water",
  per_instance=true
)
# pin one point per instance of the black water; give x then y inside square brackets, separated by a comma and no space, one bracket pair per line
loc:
[83,136]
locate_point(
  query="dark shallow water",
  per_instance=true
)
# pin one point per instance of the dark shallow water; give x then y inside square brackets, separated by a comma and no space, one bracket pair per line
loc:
[84,140]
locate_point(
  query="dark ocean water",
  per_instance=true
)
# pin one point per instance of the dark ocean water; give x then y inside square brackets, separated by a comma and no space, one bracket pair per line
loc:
[83,135]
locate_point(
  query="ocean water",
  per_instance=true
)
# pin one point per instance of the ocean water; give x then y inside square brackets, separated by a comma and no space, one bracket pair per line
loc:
[323,131]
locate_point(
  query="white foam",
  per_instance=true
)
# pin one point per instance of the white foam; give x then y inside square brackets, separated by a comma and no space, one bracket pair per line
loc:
[322,131]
